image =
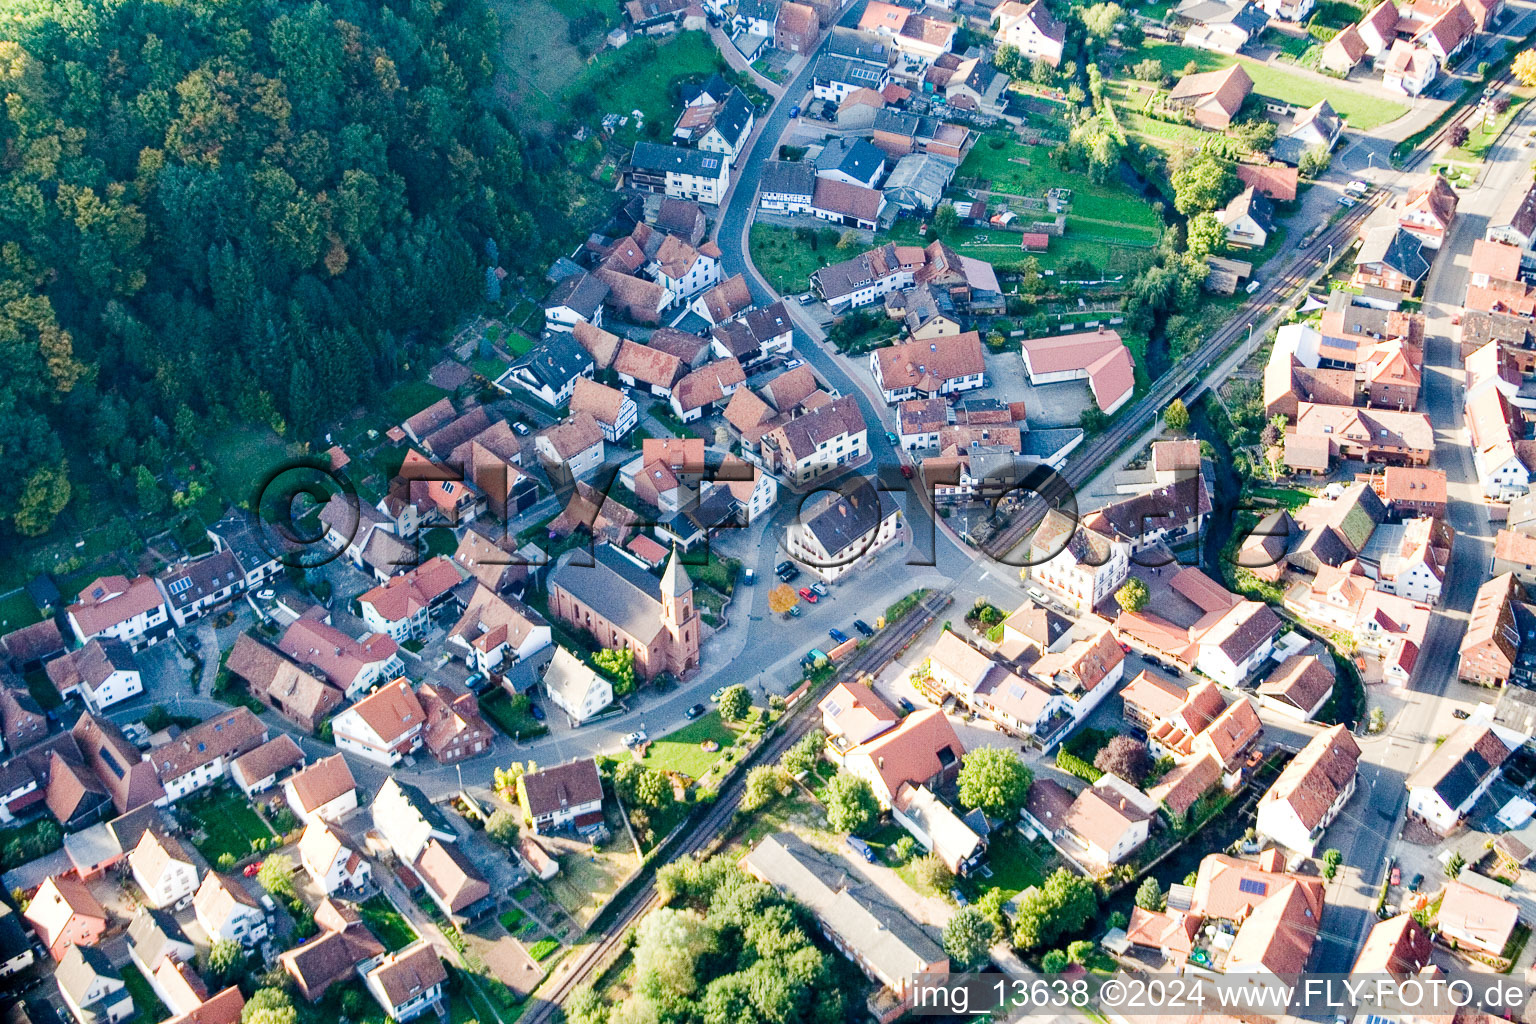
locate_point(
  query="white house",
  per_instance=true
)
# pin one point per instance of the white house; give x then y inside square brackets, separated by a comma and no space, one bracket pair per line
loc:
[408,983]
[683,270]
[938,829]
[201,755]
[1459,771]
[1233,648]
[575,687]
[496,631]
[1311,792]
[929,368]
[852,716]
[133,611]
[383,727]
[162,868]
[1108,822]
[227,911]
[195,587]
[324,791]
[680,172]
[577,299]
[1288,10]
[101,674]
[330,859]
[402,605]
[1032,28]
[1078,565]
[94,992]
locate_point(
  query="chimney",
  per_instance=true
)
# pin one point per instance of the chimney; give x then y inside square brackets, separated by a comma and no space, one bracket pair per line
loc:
[880,763]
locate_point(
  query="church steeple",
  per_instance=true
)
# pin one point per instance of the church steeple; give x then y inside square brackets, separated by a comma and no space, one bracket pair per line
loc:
[678,614]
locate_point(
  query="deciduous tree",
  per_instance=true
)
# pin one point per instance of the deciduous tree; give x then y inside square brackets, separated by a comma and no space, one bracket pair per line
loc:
[1132,595]
[994,779]
[1126,757]
[735,703]
[967,937]
[851,804]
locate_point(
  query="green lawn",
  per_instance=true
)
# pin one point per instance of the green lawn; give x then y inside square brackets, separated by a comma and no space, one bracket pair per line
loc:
[1483,134]
[788,261]
[17,610]
[42,690]
[618,87]
[1016,865]
[146,1005]
[228,823]
[1362,110]
[388,925]
[1023,170]
[680,751]
[513,717]
[242,457]
[406,399]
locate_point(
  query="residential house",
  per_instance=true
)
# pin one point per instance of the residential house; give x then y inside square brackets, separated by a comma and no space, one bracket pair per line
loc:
[613,410]
[549,370]
[331,957]
[929,369]
[1298,688]
[179,987]
[401,607]
[202,584]
[679,172]
[1408,69]
[1344,52]
[227,911]
[725,301]
[1318,127]
[65,915]
[649,368]
[1398,946]
[1517,226]
[93,990]
[105,759]
[1372,435]
[1032,29]
[570,449]
[258,770]
[755,336]
[637,299]
[1099,356]
[163,868]
[565,795]
[1515,553]
[1081,567]
[1378,29]
[302,698]
[383,727]
[1498,454]
[1248,219]
[15,946]
[706,389]
[407,983]
[623,605]
[858,920]
[115,607]
[758,17]
[1109,821]
[409,821]
[722,128]
[494,559]
[848,205]
[1390,258]
[1429,209]
[852,716]
[353,666]
[837,77]
[1196,622]
[787,186]
[577,299]
[1311,792]
[1447,35]
[1273,181]
[201,755]
[1170,515]
[1272,917]
[851,161]
[818,443]
[453,882]
[101,673]
[683,270]
[797,29]
[922,750]
[332,859]
[1443,788]
[1475,920]
[323,791]
[1492,645]
[1213,98]
[1410,491]
[918,422]
[154,936]
[455,729]
[1223,26]
[938,829]
[1032,627]
[837,532]
[496,630]
[575,687]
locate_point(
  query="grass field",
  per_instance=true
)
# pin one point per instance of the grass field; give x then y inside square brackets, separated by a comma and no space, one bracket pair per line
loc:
[1484,133]
[1027,171]
[227,822]
[242,457]
[1362,110]
[680,751]
[615,87]
[388,925]
[1001,248]
[540,61]
[17,610]
[785,260]
[1016,865]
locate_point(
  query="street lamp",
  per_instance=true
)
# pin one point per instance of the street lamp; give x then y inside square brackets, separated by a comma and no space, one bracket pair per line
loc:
[1250,330]
[1330,252]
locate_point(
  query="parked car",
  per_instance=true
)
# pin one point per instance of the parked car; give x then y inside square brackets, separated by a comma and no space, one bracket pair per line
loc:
[905,705]
[783,567]
[1347,201]
[695,711]
[862,848]
[714,698]
[267,904]
[1461,714]
[793,363]
[794,112]
[636,738]
[537,712]
[906,470]
[520,427]
[790,575]
[251,869]
[1357,186]
[863,627]
[808,595]
[794,612]
[838,636]
[890,435]
[1418,880]
[820,588]
[1397,875]
[958,897]
[748,577]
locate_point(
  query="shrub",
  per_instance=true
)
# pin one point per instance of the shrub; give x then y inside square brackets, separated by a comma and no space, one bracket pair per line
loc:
[1074,765]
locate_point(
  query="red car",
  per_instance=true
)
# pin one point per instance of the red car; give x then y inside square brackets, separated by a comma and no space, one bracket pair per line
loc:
[252,869]
[808,594]
[1397,875]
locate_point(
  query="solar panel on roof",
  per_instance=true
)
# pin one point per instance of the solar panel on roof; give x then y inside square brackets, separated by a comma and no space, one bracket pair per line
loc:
[180,586]
[1252,886]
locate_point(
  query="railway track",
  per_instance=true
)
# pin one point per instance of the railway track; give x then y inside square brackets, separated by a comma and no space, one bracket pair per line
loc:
[1183,379]
[592,961]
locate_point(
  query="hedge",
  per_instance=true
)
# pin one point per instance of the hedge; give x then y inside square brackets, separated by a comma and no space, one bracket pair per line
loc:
[1074,765]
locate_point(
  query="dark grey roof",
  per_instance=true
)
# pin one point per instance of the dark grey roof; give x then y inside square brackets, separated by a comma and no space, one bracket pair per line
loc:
[13,938]
[856,158]
[583,293]
[1398,249]
[202,578]
[1463,777]
[845,519]
[1046,444]
[831,68]
[762,10]
[734,117]
[557,361]
[712,90]
[430,812]
[658,159]
[860,46]
[791,177]
[1255,204]
[618,589]
[897,122]
[237,533]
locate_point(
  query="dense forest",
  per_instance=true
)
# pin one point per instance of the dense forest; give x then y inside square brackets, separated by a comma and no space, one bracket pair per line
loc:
[227,211]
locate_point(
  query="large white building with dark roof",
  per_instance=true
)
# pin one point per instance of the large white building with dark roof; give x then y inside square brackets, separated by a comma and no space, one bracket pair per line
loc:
[834,534]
